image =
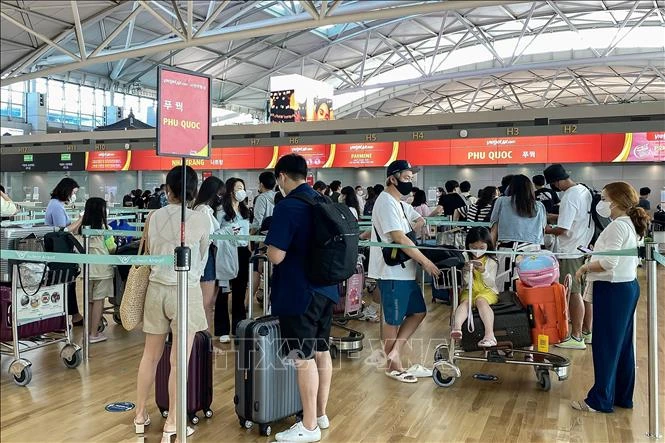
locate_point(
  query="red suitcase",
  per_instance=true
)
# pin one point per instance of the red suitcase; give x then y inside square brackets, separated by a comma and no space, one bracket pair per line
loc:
[25,331]
[548,309]
[199,379]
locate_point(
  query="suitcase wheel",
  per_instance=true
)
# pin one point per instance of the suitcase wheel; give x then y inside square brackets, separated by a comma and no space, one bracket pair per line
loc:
[194,419]
[208,413]
[164,413]
[245,423]
[265,430]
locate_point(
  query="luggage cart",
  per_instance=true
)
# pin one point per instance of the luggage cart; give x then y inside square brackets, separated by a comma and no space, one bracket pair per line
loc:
[54,295]
[446,355]
[350,307]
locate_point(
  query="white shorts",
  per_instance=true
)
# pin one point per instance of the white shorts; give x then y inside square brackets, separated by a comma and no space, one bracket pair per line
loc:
[101,289]
[588,292]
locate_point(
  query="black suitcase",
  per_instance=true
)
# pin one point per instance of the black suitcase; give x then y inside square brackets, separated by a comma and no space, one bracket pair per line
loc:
[266,387]
[511,324]
[199,378]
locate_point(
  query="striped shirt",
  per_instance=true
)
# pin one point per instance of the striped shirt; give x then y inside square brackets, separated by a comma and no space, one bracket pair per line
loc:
[472,213]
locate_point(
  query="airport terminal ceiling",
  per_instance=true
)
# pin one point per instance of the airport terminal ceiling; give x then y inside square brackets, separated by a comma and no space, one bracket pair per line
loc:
[384,58]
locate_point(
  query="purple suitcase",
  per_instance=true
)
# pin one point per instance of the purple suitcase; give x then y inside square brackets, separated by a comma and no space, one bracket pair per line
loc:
[31,329]
[199,379]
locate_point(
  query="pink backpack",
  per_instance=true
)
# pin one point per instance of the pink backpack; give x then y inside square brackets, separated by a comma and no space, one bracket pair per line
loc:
[538,271]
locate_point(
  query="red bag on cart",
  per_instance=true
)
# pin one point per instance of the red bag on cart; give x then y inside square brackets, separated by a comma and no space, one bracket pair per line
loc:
[31,329]
[548,310]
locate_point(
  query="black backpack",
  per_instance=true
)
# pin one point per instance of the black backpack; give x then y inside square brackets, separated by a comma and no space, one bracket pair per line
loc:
[63,242]
[154,202]
[599,223]
[333,248]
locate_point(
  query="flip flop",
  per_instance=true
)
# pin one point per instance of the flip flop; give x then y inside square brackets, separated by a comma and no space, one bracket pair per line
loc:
[487,343]
[456,334]
[581,406]
[403,376]
[419,371]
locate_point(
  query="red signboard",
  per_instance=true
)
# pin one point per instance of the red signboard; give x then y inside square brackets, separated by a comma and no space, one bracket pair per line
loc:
[315,155]
[106,161]
[183,114]
[427,153]
[501,150]
[233,158]
[362,155]
[583,148]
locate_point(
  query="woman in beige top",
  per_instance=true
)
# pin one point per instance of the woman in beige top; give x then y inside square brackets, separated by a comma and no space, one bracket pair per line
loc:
[161,302]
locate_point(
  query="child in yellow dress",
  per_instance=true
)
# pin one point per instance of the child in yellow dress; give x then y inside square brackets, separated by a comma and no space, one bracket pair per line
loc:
[484,289]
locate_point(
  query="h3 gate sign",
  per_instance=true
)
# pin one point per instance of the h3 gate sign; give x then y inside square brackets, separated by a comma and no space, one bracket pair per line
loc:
[183,113]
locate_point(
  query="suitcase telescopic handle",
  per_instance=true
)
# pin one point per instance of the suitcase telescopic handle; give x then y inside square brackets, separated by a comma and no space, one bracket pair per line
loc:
[257,259]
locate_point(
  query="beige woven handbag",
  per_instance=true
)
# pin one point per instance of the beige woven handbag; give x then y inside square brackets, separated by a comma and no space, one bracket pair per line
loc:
[136,288]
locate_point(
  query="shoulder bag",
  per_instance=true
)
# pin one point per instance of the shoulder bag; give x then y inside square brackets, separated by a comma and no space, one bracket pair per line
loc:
[136,287]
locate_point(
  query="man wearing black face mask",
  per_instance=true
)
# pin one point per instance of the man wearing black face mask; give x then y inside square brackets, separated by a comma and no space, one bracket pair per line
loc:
[403,304]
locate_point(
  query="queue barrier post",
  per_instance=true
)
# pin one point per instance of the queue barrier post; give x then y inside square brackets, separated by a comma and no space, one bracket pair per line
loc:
[86,299]
[652,324]
[182,262]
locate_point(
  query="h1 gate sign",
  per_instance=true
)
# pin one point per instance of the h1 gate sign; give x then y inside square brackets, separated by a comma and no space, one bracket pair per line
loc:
[183,113]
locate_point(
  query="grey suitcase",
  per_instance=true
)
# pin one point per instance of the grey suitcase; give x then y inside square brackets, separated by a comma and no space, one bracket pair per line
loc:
[8,237]
[266,385]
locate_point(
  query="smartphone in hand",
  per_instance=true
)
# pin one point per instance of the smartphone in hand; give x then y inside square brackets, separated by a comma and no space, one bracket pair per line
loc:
[586,251]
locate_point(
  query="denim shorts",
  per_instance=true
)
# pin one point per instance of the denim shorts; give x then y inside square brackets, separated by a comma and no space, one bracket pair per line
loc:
[400,299]
[209,273]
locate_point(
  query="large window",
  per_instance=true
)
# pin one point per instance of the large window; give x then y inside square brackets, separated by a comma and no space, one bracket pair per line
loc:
[12,101]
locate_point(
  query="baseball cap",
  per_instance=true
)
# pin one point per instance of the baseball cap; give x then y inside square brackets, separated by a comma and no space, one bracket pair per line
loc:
[400,166]
[555,173]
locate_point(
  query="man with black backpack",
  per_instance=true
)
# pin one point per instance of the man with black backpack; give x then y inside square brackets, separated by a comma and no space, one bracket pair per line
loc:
[310,243]
[575,228]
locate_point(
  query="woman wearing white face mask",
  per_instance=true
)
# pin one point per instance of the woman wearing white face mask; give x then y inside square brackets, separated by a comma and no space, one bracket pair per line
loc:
[56,215]
[484,291]
[234,213]
[614,292]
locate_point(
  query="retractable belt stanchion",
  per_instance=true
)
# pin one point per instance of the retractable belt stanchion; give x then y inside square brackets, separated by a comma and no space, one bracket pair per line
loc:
[652,323]
[183,259]
[86,299]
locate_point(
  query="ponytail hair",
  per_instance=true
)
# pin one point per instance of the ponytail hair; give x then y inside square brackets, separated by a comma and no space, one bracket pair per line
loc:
[625,197]
[640,220]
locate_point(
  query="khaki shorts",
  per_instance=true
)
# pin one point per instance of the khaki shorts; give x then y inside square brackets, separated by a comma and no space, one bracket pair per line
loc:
[101,289]
[571,266]
[161,307]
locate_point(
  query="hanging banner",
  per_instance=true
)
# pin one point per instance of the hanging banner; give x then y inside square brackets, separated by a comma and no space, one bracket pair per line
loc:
[633,147]
[107,161]
[498,151]
[183,113]
[427,153]
[362,155]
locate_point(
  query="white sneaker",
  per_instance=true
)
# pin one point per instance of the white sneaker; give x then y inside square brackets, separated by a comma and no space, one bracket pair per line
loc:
[225,339]
[323,422]
[298,433]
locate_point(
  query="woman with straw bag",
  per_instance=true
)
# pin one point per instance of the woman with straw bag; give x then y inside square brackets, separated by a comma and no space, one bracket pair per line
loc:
[161,301]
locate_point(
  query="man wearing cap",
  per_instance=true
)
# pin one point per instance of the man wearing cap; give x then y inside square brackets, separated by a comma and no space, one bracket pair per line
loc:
[574,229]
[402,300]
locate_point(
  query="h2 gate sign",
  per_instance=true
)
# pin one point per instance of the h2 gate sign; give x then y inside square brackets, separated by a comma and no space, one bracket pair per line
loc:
[183,113]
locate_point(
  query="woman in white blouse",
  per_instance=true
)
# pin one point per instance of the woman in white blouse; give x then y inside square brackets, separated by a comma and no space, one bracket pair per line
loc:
[208,200]
[161,300]
[615,294]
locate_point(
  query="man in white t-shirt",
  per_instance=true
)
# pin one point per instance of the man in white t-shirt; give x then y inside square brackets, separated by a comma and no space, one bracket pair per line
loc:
[401,298]
[575,228]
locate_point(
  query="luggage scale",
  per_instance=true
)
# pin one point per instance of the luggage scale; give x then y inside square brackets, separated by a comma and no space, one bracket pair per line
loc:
[446,355]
